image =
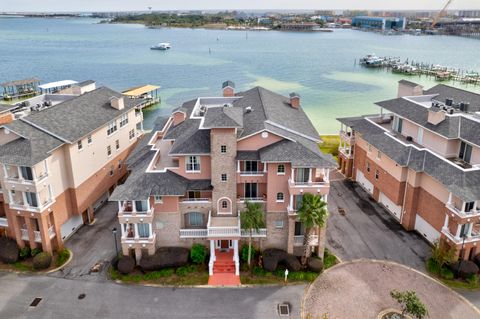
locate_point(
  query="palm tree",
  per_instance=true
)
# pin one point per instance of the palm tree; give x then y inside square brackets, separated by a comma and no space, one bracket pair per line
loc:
[252,219]
[312,213]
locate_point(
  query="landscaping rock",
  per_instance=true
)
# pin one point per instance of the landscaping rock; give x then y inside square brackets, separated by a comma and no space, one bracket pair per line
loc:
[315,264]
[165,257]
[42,260]
[8,250]
[273,257]
[467,268]
[477,260]
[126,264]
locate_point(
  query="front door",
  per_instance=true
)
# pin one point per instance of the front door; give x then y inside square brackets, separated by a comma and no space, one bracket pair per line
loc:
[224,244]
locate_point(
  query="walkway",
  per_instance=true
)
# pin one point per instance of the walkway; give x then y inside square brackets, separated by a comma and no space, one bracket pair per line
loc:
[224,270]
[361,289]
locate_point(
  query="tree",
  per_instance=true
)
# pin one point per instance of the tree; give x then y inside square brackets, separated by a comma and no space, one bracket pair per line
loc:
[312,213]
[410,303]
[442,254]
[252,219]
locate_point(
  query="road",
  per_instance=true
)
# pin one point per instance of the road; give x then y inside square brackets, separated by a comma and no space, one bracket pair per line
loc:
[60,299]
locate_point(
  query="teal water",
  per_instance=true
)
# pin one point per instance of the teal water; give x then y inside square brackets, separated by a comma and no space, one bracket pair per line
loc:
[319,66]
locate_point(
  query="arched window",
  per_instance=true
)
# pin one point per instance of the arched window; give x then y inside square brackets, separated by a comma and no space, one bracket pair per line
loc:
[224,204]
[280,197]
[281,169]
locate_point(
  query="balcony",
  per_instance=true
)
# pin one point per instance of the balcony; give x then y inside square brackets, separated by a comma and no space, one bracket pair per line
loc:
[196,200]
[474,237]
[252,199]
[461,213]
[139,240]
[312,240]
[3,222]
[18,179]
[22,206]
[261,233]
[346,151]
[193,233]
[318,185]
[36,234]
[348,137]
[291,211]
[223,226]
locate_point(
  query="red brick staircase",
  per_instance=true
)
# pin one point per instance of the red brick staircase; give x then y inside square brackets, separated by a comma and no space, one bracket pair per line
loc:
[224,270]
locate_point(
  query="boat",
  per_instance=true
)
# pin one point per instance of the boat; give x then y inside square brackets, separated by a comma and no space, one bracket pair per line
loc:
[161,46]
[371,60]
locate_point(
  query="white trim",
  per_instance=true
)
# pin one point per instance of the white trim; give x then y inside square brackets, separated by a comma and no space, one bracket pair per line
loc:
[265,130]
[293,131]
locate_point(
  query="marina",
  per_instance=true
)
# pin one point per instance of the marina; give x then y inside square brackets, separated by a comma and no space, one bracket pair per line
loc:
[436,71]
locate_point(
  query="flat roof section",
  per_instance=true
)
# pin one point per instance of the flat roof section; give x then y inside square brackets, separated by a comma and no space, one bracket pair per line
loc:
[140,90]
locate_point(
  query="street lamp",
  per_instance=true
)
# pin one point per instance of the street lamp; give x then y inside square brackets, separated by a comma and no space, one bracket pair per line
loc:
[461,253]
[114,231]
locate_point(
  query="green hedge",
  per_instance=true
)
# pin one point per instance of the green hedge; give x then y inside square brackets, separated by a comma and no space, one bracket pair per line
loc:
[63,256]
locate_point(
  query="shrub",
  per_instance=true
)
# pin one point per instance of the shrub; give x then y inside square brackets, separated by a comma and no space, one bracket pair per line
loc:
[185,270]
[258,271]
[410,303]
[24,252]
[126,264]
[472,280]
[329,259]
[35,251]
[446,273]
[63,256]
[432,266]
[165,257]
[244,253]
[198,254]
[442,254]
[42,260]
[477,260]
[8,250]
[465,269]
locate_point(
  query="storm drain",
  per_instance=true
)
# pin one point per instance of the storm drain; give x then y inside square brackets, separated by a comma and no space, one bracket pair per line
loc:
[341,211]
[35,302]
[284,309]
[81,296]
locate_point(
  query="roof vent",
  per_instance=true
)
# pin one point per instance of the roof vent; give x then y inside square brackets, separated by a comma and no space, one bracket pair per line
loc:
[295,100]
[450,111]
[117,102]
[464,106]
[248,109]
[448,102]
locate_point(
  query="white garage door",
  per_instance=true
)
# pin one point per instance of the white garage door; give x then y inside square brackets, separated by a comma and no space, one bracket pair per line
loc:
[396,210]
[70,226]
[426,230]
[100,202]
[364,182]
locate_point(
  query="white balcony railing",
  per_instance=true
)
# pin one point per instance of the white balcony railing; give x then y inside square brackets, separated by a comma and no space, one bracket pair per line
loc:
[223,231]
[248,173]
[196,200]
[252,199]
[292,183]
[38,237]
[3,222]
[24,233]
[347,136]
[463,214]
[262,232]
[127,211]
[22,206]
[459,240]
[24,181]
[139,240]
[312,240]
[193,233]
[51,232]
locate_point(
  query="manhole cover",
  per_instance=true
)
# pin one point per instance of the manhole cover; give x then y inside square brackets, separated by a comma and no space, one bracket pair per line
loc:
[81,296]
[341,211]
[284,309]
[35,302]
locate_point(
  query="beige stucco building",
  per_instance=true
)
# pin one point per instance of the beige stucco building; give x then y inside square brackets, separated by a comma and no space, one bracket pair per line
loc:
[61,157]
[190,178]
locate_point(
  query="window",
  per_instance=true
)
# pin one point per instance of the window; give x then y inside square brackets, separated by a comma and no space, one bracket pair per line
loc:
[195,219]
[143,230]
[194,194]
[398,124]
[223,149]
[131,134]
[27,173]
[79,145]
[123,120]
[224,204]
[379,155]
[302,176]
[464,230]
[280,197]
[111,128]
[469,206]
[120,163]
[465,152]
[279,224]
[377,174]
[158,199]
[193,164]
[251,190]
[112,170]
[31,199]
[369,148]
[224,177]
[368,167]
[280,169]
[141,205]
[109,151]
[251,166]
[117,145]
[89,140]
[299,229]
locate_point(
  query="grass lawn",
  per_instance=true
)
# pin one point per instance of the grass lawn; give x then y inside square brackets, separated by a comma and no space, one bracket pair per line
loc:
[330,145]
[183,276]
[329,259]
[259,276]
[439,274]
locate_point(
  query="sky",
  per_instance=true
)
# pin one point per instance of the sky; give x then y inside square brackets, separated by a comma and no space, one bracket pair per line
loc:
[129,5]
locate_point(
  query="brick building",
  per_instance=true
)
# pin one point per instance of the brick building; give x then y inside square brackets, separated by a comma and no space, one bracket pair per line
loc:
[61,157]
[190,178]
[420,158]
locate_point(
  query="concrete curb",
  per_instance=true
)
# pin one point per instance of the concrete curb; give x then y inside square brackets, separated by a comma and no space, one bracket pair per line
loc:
[44,272]
[388,262]
[62,266]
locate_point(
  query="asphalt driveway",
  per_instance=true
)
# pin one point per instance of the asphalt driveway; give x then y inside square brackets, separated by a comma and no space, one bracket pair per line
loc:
[93,244]
[367,230]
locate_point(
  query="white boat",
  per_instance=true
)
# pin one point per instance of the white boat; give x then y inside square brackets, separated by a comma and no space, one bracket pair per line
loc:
[371,60]
[161,46]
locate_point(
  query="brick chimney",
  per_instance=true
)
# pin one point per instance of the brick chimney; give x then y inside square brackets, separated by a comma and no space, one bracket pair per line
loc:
[117,102]
[408,88]
[228,88]
[295,100]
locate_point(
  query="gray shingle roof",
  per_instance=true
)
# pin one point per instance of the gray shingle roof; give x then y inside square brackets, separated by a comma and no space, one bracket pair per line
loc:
[6,107]
[458,95]
[470,130]
[463,184]
[223,117]
[76,118]
[248,156]
[32,147]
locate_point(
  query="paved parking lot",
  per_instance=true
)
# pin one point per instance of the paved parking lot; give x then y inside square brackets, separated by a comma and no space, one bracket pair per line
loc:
[367,230]
[92,244]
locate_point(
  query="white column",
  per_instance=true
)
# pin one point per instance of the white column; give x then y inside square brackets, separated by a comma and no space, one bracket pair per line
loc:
[212,257]
[235,257]
[469,231]
[291,202]
[39,204]
[293,175]
[122,229]
[449,198]
[24,199]
[10,197]
[135,226]
[310,175]
[150,228]
[5,174]
[445,224]
[238,166]
[119,206]
[46,166]
[457,235]
[19,172]
[134,207]
[327,179]
[34,173]
[265,167]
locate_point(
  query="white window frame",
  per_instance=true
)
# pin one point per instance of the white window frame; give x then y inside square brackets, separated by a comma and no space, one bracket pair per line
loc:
[279,224]
[278,169]
[123,120]
[282,199]
[112,127]
[224,201]
[80,145]
[223,149]
[222,177]
[158,199]
[193,161]
[109,150]
[89,139]
[117,144]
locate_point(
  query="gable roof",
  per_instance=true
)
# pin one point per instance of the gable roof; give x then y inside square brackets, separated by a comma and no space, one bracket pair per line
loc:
[223,117]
